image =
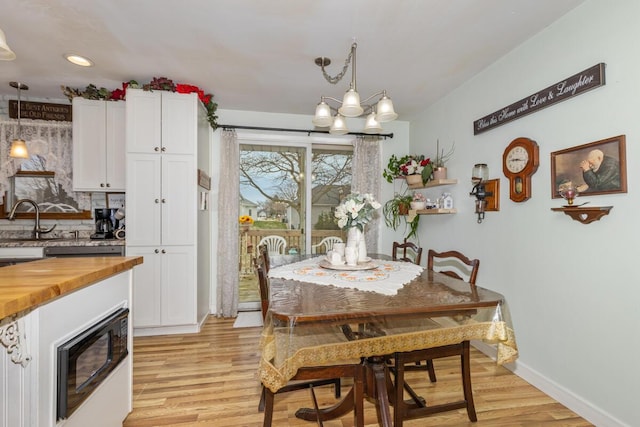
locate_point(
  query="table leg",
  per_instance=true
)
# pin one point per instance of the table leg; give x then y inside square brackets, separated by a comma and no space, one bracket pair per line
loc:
[377,380]
[335,411]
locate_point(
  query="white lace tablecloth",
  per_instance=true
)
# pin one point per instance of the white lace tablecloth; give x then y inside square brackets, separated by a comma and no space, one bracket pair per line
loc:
[386,278]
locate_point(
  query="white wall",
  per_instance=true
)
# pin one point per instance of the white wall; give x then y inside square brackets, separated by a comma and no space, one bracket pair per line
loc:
[572,288]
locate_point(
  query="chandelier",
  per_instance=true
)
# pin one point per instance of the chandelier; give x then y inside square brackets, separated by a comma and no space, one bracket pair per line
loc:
[351,106]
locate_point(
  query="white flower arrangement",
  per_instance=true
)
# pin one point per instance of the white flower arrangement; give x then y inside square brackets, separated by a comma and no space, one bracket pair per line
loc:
[356,210]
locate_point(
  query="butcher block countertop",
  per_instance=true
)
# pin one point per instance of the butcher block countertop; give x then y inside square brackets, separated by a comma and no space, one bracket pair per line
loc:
[30,284]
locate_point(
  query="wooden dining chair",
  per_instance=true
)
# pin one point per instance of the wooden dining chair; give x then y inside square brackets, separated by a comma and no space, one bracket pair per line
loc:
[457,265]
[319,375]
[454,264]
[406,251]
[263,250]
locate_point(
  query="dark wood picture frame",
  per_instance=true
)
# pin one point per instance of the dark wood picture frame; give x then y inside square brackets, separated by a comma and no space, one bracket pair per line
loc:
[566,167]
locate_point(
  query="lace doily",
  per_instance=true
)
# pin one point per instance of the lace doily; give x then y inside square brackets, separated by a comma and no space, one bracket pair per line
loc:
[386,279]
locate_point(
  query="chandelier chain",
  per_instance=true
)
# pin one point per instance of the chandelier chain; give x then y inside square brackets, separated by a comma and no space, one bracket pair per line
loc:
[338,77]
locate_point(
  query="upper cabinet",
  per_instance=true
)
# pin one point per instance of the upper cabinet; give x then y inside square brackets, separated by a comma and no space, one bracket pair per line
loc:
[161,122]
[99,150]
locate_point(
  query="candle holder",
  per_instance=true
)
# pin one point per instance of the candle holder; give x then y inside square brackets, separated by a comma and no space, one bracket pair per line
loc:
[569,194]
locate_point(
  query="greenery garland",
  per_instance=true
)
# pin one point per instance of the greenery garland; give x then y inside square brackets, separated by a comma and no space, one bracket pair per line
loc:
[158,83]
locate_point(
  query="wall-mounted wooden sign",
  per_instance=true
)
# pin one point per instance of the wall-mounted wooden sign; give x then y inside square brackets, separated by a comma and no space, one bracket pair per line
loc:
[588,79]
[40,111]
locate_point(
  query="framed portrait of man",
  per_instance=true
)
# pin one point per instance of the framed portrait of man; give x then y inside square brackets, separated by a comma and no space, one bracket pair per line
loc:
[599,167]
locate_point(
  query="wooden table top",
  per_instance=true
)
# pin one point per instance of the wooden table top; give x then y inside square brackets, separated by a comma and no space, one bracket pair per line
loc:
[27,285]
[430,294]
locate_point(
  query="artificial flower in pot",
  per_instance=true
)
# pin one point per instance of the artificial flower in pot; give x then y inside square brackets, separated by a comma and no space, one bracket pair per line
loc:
[416,169]
[245,222]
[419,201]
[439,168]
[354,212]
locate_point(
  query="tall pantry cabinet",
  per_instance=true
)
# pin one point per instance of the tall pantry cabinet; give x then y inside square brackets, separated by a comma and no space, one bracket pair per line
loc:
[162,210]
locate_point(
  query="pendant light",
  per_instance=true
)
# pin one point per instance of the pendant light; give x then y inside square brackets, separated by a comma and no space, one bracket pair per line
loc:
[350,105]
[6,54]
[18,145]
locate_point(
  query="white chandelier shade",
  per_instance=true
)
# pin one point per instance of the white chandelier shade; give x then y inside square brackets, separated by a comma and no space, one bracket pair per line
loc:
[351,105]
[6,54]
[323,117]
[339,126]
[385,110]
[372,125]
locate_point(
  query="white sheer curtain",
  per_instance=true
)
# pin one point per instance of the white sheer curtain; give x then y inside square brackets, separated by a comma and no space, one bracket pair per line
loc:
[366,179]
[50,148]
[228,259]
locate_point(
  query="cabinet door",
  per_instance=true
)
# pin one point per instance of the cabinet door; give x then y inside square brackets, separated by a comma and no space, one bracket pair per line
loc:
[143,199]
[179,122]
[116,148]
[143,121]
[178,285]
[147,286]
[179,199]
[89,145]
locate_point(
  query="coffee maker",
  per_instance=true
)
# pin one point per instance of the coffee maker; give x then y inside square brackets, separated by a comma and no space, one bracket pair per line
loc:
[106,223]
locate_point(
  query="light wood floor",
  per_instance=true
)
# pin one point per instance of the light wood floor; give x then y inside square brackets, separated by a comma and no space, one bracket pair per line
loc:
[209,379]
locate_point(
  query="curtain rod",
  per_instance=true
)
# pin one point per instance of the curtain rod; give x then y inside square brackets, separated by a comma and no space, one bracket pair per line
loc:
[308,132]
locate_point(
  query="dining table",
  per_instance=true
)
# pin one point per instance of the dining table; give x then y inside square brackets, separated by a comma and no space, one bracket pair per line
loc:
[323,314]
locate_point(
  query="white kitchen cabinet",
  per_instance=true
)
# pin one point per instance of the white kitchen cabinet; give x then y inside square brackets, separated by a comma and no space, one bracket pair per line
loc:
[161,122]
[99,152]
[162,209]
[161,200]
[164,294]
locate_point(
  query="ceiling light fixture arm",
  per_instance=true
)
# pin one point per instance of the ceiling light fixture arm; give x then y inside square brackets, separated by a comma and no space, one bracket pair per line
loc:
[323,62]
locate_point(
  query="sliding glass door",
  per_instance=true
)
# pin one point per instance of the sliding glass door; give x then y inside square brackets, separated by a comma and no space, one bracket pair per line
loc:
[288,194]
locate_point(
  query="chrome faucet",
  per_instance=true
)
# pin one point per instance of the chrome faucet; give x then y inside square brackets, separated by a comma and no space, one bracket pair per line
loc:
[37,230]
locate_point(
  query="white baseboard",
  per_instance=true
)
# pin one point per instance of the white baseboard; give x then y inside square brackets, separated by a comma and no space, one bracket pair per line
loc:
[572,401]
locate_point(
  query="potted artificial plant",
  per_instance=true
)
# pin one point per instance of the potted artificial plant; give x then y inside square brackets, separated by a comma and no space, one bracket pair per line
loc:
[395,211]
[414,168]
[439,168]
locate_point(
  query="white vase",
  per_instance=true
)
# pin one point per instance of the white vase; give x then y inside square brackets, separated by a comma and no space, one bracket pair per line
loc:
[355,239]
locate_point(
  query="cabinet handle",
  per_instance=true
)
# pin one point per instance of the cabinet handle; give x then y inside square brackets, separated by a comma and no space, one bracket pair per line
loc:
[108,185]
[163,149]
[164,201]
[156,149]
[101,184]
[157,201]
[157,251]
[163,251]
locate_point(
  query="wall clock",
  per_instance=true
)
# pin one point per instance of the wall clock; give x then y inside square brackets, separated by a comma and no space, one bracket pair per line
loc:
[519,161]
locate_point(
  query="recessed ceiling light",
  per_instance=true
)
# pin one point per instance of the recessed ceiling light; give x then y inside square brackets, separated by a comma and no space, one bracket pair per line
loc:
[78,60]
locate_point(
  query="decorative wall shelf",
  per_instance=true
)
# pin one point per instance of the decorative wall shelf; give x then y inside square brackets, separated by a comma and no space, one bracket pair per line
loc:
[585,215]
[433,183]
[413,213]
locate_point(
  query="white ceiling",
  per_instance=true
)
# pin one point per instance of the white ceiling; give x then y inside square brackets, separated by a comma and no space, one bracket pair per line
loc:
[259,55]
